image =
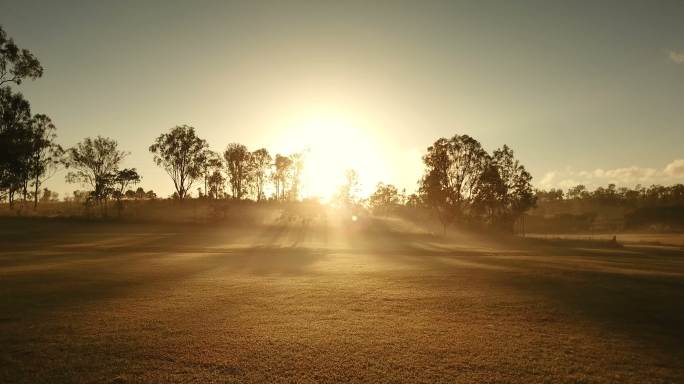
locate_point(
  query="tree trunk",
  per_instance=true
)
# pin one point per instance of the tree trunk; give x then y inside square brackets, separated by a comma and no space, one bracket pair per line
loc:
[35,196]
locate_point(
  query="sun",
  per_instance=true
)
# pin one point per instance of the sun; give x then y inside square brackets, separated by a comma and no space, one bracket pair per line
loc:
[333,144]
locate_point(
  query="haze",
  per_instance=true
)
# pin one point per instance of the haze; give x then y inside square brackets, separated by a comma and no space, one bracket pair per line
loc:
[572,86]
[341,192]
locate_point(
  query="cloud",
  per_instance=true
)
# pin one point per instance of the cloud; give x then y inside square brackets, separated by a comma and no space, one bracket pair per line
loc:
[547,180]
[675,168]
[671,173]
[677,57]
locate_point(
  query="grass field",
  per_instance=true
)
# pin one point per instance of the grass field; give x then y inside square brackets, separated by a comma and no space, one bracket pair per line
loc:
[371,301]
[666,239]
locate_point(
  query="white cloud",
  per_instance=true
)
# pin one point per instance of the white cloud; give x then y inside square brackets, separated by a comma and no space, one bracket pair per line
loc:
[675,168]
[671,173]
[677,57]
[547,180]
[630,174]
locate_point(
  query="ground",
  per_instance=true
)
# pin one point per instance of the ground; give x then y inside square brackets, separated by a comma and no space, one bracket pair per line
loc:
[368,301]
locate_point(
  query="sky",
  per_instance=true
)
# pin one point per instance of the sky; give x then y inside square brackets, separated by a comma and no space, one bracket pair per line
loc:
[585,92]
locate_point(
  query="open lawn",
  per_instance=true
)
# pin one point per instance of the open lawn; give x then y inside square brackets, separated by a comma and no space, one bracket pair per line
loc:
[371,301]
[666,239]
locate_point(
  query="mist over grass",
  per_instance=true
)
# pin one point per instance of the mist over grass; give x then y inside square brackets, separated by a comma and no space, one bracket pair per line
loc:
[372,300]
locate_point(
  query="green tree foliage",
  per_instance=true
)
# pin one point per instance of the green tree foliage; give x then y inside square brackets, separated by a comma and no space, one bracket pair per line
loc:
[182,155]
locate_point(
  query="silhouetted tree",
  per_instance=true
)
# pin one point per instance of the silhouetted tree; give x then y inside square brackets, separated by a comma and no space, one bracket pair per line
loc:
[16,64]
[237,162]
[211,164]
[490,195]
[259,164]
[297,166]
[385,199]
[283,165]
[517,194]
[453,170]
[550,195]
[348,193]
[15,142]
[216,185]
[49,196]
[413,201]
[45,155]
[122,180]
[181,153]
[95,162]
[577,192]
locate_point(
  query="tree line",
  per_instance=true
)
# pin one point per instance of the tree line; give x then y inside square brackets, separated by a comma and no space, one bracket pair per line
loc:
[187,160]
[462,182]
[639,196]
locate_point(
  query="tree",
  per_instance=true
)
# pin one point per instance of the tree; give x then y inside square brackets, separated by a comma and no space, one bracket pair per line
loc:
[347,194]
[49,196]
[260,163]
[385,199]
[211,164]
[517,195]
[181,153]
[16,64]
[552,194]
[283,166]
[45,155]
[237,162]
[297,165]
[453,170]
[95,162]
[489,195]
[216,184]
[122,180]
[15,139]
[577,192]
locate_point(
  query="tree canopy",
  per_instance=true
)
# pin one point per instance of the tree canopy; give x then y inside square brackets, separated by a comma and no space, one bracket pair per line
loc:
[16,63]
[182,155]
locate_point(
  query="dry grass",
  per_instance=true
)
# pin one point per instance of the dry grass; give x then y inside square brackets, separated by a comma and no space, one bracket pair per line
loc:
[366,302]
[665,239]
